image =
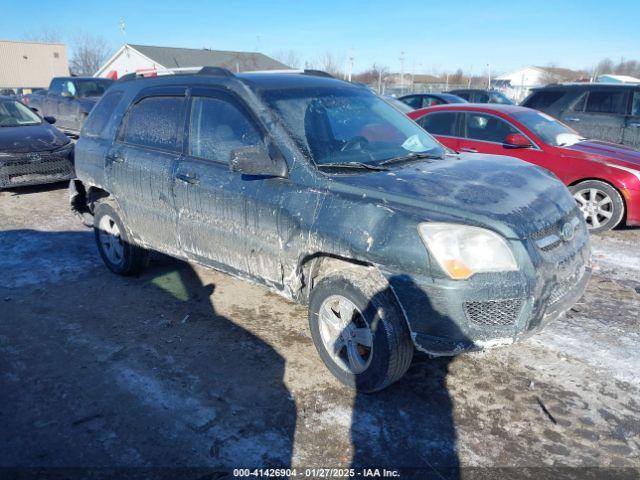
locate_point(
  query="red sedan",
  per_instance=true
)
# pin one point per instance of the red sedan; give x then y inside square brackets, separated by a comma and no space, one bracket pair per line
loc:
[603,177]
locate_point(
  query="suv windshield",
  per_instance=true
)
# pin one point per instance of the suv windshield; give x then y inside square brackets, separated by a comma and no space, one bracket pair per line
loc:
[347,125]
[550,130]
[15,114]
[91,88]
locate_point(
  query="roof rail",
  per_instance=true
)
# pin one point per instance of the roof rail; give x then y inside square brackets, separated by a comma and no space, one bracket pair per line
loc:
[217,71]
[317,73]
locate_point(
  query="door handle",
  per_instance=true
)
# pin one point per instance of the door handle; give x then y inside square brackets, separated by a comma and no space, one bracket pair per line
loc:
[572,119]
[469,150]
[115,157]
[190,178]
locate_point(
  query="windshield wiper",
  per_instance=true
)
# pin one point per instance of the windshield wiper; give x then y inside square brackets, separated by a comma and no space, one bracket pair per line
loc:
[411,157]
[362,165]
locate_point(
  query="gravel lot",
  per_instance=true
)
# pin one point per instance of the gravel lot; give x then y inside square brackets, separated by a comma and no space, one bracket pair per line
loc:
[184,366]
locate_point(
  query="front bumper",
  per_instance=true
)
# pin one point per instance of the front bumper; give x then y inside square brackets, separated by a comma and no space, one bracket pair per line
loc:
[22,169]
[447,317]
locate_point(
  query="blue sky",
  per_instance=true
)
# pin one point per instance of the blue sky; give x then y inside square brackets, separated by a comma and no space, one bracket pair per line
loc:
[435,36]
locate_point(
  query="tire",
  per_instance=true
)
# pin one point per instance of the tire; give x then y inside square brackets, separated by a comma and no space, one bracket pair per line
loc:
[600,203]
[376,311]
[118,253]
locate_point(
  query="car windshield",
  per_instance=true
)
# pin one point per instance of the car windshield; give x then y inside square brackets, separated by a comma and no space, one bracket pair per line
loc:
[497,97]
[551,131]
[338,125]
[15,114]
[403,107]
[92,88]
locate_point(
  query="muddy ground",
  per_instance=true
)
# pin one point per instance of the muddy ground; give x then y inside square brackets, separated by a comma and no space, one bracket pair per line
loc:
[185,366]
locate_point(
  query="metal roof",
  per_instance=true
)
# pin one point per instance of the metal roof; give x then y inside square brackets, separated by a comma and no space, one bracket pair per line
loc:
[171,57]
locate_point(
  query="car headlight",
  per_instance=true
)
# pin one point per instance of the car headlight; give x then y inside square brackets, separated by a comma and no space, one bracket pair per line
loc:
[462,250]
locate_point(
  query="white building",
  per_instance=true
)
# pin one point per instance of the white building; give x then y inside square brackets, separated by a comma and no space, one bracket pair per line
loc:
[31,64]
[134,58]
[610,78]
[519,82]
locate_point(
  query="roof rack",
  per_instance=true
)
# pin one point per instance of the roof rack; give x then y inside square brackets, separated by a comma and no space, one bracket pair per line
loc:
[212,71]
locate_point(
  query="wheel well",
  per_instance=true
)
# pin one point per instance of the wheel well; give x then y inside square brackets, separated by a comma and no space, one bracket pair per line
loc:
[82,200]
[313,268]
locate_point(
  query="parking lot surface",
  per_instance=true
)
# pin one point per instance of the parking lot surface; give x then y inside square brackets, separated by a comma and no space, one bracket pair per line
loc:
[185,366]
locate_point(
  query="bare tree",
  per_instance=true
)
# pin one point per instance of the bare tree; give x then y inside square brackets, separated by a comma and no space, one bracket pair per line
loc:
[331,64]
[290,58]
[89,54]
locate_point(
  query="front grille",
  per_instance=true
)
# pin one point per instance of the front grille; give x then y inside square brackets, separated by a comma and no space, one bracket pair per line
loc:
[493,312]
[551,237]
[29,169]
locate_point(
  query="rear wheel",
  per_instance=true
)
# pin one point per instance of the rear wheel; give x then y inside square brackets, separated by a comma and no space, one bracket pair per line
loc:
[601,204]
[118,253]
[359,331]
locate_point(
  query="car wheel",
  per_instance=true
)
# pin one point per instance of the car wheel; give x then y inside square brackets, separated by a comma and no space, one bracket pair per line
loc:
[118,253]
[601,204]
[359,331]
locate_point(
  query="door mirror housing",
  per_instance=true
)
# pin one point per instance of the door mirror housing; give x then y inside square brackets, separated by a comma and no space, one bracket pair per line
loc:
[66,94]
[50,119]
[255,160]
[516,140]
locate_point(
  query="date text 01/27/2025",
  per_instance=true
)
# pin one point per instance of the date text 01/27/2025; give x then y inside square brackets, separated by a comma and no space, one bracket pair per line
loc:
[316,472]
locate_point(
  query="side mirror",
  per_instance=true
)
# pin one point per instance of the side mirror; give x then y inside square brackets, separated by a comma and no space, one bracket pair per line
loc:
[255,160]
[66,94]
[516,140]
[50,120]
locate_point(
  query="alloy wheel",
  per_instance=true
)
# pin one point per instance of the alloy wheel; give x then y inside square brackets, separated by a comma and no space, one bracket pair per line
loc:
[110,240]
[345,334]
[596,206]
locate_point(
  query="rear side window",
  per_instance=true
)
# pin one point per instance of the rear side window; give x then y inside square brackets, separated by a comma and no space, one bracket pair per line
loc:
[153,122]
[542,100]
[56,86]
[480,126]
[606,102]
[100,115]
[217,127]
[415,102]
[439,123]
[465,95]
[635,107]
[431,102]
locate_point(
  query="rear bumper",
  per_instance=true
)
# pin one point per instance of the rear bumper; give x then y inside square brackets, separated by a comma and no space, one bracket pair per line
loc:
[34,169]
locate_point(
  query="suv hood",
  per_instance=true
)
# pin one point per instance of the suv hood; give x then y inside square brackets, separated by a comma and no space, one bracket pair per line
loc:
[608,152]
[31,138]
[487,190]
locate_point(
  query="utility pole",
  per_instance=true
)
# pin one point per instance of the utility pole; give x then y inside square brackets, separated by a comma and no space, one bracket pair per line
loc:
[380,82]
[489,76]
[470,76]
[402,69]
[350,65]
[446,86]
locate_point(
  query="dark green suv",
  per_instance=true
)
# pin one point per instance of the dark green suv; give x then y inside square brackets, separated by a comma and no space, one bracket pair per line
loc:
[609,112]
[324,192]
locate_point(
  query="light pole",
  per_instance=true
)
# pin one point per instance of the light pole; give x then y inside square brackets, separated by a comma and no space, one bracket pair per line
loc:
[489,76]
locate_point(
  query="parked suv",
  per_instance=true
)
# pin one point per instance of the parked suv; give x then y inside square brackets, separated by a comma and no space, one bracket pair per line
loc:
[475,95]
[321,190]
[597,111]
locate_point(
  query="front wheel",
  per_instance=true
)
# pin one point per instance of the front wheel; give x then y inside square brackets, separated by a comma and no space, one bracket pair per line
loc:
[359,331]
[601,204]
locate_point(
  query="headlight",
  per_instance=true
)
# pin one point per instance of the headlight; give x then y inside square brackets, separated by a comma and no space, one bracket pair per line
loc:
[462,250]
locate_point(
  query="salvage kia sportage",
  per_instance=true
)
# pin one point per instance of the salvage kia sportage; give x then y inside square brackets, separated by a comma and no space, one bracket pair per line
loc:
[324,192]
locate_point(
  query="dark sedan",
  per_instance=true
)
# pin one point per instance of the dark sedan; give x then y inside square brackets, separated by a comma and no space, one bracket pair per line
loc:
[32,151]
[424,100]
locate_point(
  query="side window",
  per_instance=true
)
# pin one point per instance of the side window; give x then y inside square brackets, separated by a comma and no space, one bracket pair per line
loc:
[578,105]
[635,107]
[414,102]
[542,100]
[217,127]
[100,115]
[439,123]
[465,95]
[154,122]
[431,102]
[481,97]
[609,101]
[56,86]
[480,126]
[68,86]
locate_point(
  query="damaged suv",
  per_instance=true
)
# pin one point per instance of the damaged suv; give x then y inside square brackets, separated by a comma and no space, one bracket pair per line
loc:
[322,191]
